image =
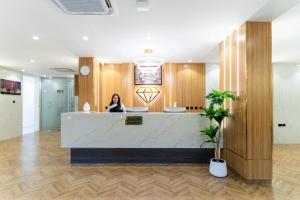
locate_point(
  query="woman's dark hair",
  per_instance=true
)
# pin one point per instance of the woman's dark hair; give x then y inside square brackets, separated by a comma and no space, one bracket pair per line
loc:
[112,101]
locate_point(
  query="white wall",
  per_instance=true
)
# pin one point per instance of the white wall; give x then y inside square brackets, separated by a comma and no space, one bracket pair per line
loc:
[286,103]
[31,104]
[212,78]
[10,113]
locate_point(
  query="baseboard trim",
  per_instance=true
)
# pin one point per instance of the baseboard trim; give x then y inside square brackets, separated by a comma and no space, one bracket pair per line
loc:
[141,155]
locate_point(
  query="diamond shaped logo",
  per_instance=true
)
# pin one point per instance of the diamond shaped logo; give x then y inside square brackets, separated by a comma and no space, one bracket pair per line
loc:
[148,94]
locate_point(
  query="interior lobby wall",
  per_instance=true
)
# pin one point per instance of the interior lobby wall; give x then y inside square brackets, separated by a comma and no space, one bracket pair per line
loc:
[31,104]
[286,98]
[183,83]
[10,112]
[212,77]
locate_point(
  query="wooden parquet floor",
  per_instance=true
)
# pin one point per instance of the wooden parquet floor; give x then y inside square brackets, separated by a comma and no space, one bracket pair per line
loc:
[35,167]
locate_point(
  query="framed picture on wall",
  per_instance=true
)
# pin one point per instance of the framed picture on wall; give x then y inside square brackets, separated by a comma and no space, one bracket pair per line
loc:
[10,87]
[147,75]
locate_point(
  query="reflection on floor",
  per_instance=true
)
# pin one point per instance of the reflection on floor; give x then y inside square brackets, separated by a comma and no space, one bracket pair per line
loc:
[35,167]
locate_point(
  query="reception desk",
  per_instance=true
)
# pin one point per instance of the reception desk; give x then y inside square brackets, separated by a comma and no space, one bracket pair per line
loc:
[135,137]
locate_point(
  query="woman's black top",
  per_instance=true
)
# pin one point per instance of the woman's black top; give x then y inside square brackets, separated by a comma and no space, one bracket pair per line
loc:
[116,109]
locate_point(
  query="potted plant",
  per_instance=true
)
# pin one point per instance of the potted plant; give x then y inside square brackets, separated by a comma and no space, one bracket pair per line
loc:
[216,113]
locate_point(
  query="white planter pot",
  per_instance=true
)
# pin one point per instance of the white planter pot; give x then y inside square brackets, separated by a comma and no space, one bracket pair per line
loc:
[218,169]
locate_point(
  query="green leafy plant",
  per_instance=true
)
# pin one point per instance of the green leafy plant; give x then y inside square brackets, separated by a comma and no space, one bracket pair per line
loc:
[216,113]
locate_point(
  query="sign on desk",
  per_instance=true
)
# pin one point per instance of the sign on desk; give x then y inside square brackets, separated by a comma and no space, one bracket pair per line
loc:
[134,120]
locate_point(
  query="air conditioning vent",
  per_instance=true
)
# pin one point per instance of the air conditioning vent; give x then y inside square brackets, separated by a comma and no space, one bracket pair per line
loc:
[85,7]
[62,69]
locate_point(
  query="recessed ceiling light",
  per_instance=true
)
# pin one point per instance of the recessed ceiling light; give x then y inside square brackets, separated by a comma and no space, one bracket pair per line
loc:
[148,37]
[32,60]
[148,51]
[85,38]
[23,70]
[212,37]
[35,37]
[45,76]
[190,61]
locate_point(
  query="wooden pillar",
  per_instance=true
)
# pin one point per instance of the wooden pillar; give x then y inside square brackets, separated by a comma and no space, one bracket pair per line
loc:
[246,69]
[76,85]
[89,84]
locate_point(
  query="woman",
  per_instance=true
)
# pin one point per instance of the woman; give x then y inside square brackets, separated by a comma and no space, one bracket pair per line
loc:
[116,105]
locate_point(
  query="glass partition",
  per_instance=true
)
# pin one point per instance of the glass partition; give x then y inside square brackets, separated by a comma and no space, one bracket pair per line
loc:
[57,97]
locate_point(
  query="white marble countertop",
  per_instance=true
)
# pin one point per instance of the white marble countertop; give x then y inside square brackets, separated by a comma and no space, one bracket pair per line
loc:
[108,130]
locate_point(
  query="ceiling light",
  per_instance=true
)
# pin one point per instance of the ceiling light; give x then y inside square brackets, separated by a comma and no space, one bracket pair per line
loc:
[148,62]
[35,37]
[85,38]
[190,60]
[148,51]
[32,60]
[148,38]
[212,37]
[45,76]
[23,70]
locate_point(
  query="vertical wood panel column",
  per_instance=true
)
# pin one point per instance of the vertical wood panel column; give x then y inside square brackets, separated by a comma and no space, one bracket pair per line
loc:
[76,85]
[246,69]
[89,85]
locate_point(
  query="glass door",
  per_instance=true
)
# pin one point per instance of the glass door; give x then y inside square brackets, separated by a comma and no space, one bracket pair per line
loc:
[57,97]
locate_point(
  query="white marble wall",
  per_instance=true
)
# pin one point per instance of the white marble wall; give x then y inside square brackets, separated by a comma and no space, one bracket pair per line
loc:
[108,130]
[286,103]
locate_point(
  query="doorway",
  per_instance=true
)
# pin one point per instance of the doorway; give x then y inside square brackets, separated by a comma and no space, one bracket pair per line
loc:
[57,97]
[31,104]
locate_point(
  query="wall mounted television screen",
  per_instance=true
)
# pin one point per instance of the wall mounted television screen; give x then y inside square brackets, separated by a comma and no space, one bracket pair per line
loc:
[10,87]
[144,75]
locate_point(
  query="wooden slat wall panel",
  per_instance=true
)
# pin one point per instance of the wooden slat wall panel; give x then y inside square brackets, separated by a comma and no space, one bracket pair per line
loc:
[88,87]
[259,91]
[76,85]
[230,131]
[178,76]
[236,128]
[198,86]
[227,66]
[182,83]
[259,169]
[235,162]
[169,84]
[186,86]
[245,61]
[96,87]
[116,78]
[240,104]
[126,72]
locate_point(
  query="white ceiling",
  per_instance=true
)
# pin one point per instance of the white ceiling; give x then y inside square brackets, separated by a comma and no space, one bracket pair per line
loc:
[180,30]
